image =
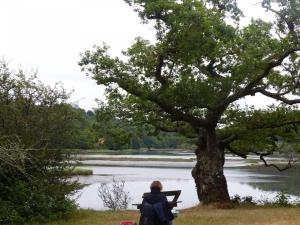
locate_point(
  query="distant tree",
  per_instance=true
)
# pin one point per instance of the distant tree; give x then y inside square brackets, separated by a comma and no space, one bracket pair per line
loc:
[148,142]
[90,114]
[118,133]
[85,136]
[115,132]
[135,142]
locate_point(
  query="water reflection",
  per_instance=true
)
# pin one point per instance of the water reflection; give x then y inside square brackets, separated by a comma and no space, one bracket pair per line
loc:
[256,181]
[288,180]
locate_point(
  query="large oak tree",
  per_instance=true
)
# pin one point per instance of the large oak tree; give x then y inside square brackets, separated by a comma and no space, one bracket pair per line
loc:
[192,78]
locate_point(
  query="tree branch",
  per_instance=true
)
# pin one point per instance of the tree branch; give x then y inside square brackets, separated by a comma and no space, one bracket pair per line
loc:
[228,140]
[279,97]
[276,125]
[229,148]
[178,115]
[210,68]
[153,97]
[220,6]
[158,15]
[268,69]
[158,76]
[248,90]
[289,23]
[180,130]
[288,166]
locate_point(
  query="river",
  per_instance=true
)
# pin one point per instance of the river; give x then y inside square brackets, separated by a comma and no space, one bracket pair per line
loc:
[243,178]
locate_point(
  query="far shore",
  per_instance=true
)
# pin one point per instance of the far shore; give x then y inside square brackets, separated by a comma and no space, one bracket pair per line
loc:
[130,151]
[166,161]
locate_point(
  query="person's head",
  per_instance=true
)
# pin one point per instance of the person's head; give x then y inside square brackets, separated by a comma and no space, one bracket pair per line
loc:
[156,186]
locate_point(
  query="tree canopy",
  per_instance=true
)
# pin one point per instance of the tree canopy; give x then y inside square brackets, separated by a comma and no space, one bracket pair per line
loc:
[201,64]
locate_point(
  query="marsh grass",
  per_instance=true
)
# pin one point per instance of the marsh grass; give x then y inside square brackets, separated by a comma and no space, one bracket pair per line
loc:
[195,216]
[81,172]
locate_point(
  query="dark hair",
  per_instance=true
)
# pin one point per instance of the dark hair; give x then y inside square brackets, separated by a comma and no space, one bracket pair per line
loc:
[156,186]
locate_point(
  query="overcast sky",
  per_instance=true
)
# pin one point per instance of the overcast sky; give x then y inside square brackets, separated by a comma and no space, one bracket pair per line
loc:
[49,35]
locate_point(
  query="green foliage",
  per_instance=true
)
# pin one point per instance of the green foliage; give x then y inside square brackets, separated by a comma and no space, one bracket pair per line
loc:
[84,136]
[36,122]
[282,199]
[191,79]
[34,112]
[114,133]
[35,187]
[81,172]
[118,133]
[247,200]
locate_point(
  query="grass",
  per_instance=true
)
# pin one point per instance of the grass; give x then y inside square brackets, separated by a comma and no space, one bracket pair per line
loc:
[195,216]
[82,172]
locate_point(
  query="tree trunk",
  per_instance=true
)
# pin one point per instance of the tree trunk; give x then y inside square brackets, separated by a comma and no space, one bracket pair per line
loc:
[208,173]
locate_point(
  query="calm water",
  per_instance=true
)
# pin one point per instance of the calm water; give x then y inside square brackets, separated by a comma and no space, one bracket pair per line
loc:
[256,181]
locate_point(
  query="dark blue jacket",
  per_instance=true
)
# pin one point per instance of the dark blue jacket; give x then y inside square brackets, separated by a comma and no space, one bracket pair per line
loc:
[161,211]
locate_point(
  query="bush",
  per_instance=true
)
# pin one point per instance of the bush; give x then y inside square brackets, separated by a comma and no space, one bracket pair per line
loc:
[247,200]
[114,196]
[282,199]
[34,187]
[36,122]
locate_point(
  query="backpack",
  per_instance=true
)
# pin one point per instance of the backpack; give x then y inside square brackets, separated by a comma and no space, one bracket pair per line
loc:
[147,214]
[163,212]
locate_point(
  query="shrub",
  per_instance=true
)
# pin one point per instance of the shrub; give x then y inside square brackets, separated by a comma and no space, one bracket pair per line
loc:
[114,196]
[34,187]
[282,199]
[36,122]
[247,200]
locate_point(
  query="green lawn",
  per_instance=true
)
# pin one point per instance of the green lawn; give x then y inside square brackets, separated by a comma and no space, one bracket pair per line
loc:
[195,216]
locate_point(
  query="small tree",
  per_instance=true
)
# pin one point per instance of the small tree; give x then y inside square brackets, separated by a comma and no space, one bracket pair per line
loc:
[114,196]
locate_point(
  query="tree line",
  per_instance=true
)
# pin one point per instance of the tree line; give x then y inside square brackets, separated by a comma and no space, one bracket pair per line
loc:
[100,128]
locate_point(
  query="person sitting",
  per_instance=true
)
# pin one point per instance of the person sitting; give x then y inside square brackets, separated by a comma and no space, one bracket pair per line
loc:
[155,209]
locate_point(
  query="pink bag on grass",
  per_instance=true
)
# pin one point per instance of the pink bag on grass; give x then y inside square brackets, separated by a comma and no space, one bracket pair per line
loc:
[128,223]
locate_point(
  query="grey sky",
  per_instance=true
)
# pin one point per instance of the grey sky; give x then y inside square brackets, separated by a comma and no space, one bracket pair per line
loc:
[48,35]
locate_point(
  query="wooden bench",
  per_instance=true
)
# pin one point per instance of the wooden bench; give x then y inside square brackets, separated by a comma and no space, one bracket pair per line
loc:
[172,203]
